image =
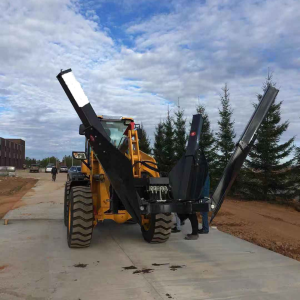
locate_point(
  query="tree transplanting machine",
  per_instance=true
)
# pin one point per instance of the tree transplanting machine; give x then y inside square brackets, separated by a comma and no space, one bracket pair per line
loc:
[123,183]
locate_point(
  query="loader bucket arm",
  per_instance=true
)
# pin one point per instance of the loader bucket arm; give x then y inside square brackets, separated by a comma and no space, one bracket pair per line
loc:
[243,148]
[116,166]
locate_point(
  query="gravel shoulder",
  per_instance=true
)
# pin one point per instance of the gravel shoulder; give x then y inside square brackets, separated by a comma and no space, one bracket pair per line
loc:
[12,189]
[43,201]
[274,227]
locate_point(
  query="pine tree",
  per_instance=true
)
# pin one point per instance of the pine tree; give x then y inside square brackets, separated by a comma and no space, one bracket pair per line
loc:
[169,149]
[296,172]
[268,173]
[225,136]
[208,144]
[144,142]
[180,137]
[297,157]
[158,150]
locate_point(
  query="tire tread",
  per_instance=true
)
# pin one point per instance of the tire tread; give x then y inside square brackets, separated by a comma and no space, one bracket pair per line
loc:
[162,229]
[82,218]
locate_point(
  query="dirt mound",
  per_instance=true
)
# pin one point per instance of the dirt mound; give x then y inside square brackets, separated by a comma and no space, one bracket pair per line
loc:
[275,227]
[12,189]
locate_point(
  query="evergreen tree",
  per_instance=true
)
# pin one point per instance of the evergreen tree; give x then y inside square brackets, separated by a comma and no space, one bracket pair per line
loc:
[268,173]
[159,142]
[180,137]
[208,144]
[225,136]
[296,172]
[297,157]
[169,149]
[144,142]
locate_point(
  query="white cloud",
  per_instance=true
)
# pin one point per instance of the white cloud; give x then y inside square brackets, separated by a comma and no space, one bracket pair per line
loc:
[198,48]
[38,39]
[191,51]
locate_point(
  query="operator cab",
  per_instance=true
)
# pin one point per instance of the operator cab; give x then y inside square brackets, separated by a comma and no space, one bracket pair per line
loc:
[116,128]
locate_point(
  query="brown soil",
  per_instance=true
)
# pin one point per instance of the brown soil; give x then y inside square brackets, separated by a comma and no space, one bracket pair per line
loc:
[272,226]
[12,189]
[3,267]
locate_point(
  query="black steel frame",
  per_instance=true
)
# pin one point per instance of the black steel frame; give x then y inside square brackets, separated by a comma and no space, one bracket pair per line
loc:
[119,170]
[179,207]
[243,148]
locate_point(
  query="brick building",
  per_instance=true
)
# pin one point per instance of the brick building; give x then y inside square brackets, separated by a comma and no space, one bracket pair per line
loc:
[12,152]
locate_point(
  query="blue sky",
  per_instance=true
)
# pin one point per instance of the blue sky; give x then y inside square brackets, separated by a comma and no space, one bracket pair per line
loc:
[135,58]
[116,16]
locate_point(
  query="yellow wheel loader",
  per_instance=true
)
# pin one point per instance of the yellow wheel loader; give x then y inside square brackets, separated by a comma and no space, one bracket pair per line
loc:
[123,183]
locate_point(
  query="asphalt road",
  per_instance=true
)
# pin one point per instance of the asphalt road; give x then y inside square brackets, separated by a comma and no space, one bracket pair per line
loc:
[36,263]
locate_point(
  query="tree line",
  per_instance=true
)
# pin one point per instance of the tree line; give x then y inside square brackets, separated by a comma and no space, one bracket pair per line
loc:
[66,161]
[272,169]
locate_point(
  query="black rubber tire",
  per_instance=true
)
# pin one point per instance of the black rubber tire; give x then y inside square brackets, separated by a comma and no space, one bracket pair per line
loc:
[80,218]
[159,229]
[66,202]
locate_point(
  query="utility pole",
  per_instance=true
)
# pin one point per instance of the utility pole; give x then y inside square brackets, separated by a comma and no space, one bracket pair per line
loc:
[72,160]
[178,103]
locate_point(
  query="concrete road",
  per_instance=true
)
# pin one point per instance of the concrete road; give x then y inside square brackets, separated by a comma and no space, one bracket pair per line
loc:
[44,201]
[36,263]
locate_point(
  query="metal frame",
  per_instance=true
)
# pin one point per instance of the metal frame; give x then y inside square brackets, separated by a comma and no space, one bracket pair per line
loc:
[188,207]
[117,167]
[184,173]
[243,148]
[186,178]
